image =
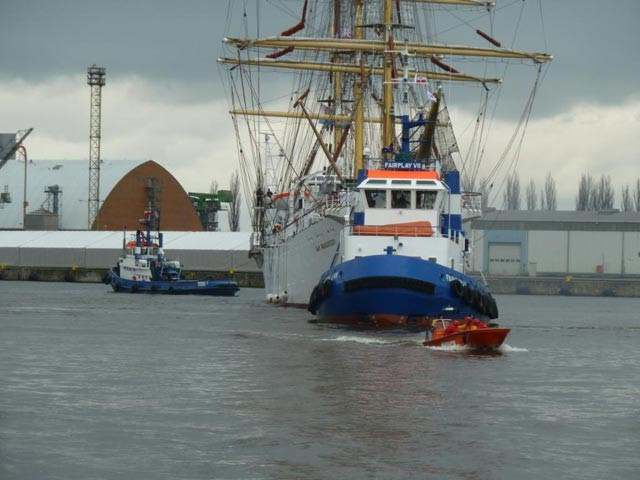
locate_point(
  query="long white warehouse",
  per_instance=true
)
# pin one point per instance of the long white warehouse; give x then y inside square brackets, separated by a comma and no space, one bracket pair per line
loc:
[206,251]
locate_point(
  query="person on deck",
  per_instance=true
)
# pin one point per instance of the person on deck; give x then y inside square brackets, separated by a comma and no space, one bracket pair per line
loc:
[478,324]
[400,200]
[451,329]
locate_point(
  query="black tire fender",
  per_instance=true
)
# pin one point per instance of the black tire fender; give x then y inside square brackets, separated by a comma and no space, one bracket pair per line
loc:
[313,300]
[484,304]
[493,308]
[477,300]
[456,287]
[467,294]
[327,286]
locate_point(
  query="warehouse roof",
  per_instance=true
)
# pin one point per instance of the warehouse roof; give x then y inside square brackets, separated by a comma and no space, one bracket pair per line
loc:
[610,220]
[101,240]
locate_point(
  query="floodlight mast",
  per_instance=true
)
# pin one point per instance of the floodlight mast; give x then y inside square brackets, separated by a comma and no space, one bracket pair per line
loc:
[96,79]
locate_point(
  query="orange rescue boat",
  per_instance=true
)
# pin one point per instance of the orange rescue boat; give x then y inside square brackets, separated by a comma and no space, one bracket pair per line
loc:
[479,338]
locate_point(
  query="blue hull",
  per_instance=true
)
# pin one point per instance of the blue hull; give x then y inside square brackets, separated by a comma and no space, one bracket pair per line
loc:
[177,287]
[388,291]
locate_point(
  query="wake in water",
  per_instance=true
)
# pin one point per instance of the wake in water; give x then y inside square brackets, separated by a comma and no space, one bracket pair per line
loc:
[504,348]
[417,342]
[371,340]
[508,348]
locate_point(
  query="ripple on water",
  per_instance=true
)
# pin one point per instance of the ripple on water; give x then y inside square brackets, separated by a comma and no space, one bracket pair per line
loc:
[100,385]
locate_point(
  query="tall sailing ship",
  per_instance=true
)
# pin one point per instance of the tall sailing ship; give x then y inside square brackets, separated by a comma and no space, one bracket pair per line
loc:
[360,215]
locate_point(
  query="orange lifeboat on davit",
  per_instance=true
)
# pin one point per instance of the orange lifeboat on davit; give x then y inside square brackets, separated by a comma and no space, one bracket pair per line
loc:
[474,335]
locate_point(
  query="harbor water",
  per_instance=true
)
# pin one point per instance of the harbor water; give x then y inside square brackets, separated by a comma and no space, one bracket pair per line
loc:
[99,385]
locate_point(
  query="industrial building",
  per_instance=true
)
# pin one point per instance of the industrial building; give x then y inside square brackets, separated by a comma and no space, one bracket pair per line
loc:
[57,196]
[556,243]
[202,251]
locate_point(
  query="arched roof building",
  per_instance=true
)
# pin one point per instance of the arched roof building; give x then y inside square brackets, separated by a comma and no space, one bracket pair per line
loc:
[147,184]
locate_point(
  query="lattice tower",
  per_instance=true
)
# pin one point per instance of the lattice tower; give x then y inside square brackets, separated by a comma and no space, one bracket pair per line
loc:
[96,79]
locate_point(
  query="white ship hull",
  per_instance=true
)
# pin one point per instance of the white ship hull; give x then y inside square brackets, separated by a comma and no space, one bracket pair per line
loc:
[293,266]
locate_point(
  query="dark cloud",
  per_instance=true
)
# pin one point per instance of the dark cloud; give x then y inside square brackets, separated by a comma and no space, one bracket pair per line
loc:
[166,41]
[176,43]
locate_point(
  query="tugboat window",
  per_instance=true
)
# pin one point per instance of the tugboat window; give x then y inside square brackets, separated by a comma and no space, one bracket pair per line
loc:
[401,199]
[376,198]
[426,200]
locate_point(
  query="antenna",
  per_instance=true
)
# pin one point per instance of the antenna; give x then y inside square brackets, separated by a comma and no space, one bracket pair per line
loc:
[96,79]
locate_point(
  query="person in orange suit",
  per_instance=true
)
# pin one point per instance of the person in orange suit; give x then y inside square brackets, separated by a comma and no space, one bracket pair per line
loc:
[479,324]
[466,325]
[451,329]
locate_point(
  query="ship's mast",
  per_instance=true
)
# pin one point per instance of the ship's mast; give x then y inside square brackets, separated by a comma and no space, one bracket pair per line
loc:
[387,99]
[337,76]
[358,119]
[356,60]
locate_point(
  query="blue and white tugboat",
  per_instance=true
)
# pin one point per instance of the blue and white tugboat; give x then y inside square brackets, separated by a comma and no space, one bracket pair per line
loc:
[145,269]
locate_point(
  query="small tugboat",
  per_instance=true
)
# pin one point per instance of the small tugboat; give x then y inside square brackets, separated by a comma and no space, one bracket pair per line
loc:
[471,333]
[145,269]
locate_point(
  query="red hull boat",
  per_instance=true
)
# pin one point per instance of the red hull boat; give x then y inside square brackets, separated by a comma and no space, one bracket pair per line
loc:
[488,338]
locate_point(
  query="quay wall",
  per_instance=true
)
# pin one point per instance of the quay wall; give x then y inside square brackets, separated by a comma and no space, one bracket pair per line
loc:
[515,285]
[99,275]
[592,286]
[80,256]
[87,256]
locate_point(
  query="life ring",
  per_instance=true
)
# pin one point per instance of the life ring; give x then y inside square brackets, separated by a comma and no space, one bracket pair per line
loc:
[456,287]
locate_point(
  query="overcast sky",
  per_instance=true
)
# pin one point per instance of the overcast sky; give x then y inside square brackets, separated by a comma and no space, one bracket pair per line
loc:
[164,98]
